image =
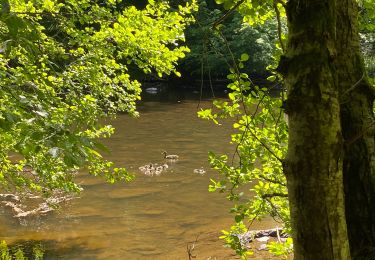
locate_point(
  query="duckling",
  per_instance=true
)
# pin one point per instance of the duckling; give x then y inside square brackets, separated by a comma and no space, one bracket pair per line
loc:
[149,173]
[142,168]
[170,156]
[152,167]
[146,167]
[200,171]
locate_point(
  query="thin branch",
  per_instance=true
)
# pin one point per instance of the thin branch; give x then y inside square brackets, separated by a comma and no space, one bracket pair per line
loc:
[210,81]
[275,194]
[279,32]
[264,145]
[258,105]
[354,86]
[202,74]
[359,135]
[272,181]
[276,210]
[225,16]
[190,246]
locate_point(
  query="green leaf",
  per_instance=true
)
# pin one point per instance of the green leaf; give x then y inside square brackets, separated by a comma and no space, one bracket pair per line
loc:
[271,78]
[244,57]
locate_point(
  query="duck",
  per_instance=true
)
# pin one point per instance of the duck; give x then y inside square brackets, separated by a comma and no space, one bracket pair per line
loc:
[170,156]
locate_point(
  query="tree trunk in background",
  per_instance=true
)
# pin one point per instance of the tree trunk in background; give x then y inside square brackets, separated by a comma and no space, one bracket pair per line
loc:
[313,166]
[357,122]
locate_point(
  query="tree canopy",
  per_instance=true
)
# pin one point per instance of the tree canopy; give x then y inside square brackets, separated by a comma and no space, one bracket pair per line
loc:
[64,68]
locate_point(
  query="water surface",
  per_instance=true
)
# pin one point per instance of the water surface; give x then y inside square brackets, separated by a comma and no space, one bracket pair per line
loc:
[151,217]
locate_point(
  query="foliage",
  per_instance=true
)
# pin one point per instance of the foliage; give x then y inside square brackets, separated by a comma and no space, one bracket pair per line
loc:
[254,11]
[367,33]
[281,249]
[64,65]
[367,15]
[261,138]
[232,239]
[368,49]
[4,251]
[210,46]
[18,253]
[253,178]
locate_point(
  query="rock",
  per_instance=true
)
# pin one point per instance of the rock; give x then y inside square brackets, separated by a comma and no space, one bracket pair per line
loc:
[262,247]
[263,239]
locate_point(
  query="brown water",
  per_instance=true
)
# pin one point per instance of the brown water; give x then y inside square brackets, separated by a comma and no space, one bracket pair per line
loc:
[151,217]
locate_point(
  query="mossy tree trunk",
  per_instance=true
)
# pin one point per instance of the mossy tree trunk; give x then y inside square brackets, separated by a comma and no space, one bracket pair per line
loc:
[314,161]
[357,122]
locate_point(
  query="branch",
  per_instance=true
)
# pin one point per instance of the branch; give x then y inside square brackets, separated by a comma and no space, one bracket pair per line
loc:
[354,86]
[280,2]
[272,181]
[359,135]
[225,16]
[264,145]
[190,246]
[275,194]
[278,23]
[276,210]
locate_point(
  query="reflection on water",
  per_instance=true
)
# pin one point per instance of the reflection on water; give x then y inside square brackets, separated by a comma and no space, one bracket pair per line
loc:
[151,217]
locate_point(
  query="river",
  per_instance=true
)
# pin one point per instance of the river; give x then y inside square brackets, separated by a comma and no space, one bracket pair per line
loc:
[152,217]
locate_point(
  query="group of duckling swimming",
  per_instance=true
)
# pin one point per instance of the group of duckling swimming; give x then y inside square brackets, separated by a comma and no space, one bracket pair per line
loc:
[152,169]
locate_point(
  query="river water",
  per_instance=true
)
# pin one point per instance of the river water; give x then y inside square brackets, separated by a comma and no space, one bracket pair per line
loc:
[153,217]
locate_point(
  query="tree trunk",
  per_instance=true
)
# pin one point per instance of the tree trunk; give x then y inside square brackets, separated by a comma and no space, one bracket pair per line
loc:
[357,122]
[313,166]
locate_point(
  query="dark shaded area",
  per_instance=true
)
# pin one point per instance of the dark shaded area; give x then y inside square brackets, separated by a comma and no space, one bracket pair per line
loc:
[215,50]
[170,92]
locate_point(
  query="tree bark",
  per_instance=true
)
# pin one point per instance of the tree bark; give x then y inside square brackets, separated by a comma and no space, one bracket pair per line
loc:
[313,166]
[357,122]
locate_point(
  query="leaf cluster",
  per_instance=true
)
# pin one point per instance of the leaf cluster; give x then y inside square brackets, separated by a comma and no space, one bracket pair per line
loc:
[18,252]
[367,33]
[64,66]
[253,177]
